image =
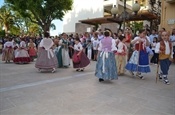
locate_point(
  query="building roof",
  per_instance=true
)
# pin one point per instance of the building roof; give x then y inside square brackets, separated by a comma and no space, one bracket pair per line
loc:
[142,15]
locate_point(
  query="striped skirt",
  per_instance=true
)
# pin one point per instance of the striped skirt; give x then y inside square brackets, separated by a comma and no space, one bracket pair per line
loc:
[43,62]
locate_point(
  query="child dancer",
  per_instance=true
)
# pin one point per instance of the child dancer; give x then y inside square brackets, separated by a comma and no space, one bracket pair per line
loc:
[139,61]
[164,48]
[121,55]
[83,59]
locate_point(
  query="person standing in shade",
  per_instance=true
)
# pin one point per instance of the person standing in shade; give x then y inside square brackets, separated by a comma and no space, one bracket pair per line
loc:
[164,48]
[106,68]
[46,57]
[95,44]
[89,49]
[83,59]
[172,39]
[155,57]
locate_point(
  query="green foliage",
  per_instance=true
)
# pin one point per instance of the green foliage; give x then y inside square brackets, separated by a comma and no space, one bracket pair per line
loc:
[11,21]
[136,25]
[14,30]
[41,12]
[6,18]
[2,33]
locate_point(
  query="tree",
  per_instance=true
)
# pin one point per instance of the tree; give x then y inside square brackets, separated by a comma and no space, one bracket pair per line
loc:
[41,12]
[136,25]
[6,18]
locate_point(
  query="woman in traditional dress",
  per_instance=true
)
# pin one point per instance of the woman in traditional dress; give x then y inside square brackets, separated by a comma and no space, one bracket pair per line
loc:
[139,61]
[64,50]
[22,56]
[15,47]
[106,68]
[83,59]
[46,57]
[58,52]
[32,49]
[8,51]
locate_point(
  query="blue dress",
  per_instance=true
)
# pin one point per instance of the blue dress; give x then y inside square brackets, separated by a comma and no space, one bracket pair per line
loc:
[139,61]
[106,65]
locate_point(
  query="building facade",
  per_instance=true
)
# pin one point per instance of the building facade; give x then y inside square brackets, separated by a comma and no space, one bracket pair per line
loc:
[88,9]
[82,9]
[168,15]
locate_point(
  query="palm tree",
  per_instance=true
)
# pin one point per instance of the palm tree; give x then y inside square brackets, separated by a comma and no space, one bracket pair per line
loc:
[6,18]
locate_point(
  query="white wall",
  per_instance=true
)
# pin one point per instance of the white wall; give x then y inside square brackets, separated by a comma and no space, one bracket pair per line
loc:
[82,9]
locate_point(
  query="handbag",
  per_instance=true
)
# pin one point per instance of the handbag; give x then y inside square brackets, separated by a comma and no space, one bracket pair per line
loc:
[76,59]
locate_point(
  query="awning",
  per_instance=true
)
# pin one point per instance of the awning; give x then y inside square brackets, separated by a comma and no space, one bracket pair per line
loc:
[142,15]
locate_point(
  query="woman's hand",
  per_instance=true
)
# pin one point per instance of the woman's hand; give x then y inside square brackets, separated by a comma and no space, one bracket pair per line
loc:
[71,46]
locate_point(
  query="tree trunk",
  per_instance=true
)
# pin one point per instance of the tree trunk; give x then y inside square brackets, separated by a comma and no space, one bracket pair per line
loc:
[46,27]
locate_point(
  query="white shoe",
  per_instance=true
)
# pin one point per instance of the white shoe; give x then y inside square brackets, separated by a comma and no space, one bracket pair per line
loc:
[166,81]
[53,70]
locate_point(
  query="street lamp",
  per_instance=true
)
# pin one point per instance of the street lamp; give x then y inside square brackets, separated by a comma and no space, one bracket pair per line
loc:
[114,11]
[125,15]
[136,7]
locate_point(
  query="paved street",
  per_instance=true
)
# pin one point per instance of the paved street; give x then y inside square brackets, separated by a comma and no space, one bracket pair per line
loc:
[25,91]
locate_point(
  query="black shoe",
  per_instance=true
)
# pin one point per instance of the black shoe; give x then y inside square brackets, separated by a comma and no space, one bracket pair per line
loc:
[166,81]
[100,79]
[140,76]
[82,69]
[77,69]
[160,76]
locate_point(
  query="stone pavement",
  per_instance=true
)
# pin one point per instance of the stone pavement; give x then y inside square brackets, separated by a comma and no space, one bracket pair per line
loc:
[25,91]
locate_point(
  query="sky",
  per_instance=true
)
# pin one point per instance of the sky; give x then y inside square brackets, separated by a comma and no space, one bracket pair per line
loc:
[58,24]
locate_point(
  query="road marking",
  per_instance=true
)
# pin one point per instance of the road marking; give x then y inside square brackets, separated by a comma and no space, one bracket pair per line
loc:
[41,82]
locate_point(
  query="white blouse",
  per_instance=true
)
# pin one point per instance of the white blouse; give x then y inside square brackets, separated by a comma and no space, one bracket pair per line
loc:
[167,48]
[120,49]
[8,44]
[78,47]
[22,44]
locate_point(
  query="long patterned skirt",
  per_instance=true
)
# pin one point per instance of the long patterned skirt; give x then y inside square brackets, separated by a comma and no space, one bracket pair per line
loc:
[7,54]
[106,66]
[43,62]
[58,53]
[139,63]
[84,61]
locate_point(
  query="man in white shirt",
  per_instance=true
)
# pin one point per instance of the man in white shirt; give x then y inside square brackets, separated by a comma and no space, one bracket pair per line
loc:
[164,48]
